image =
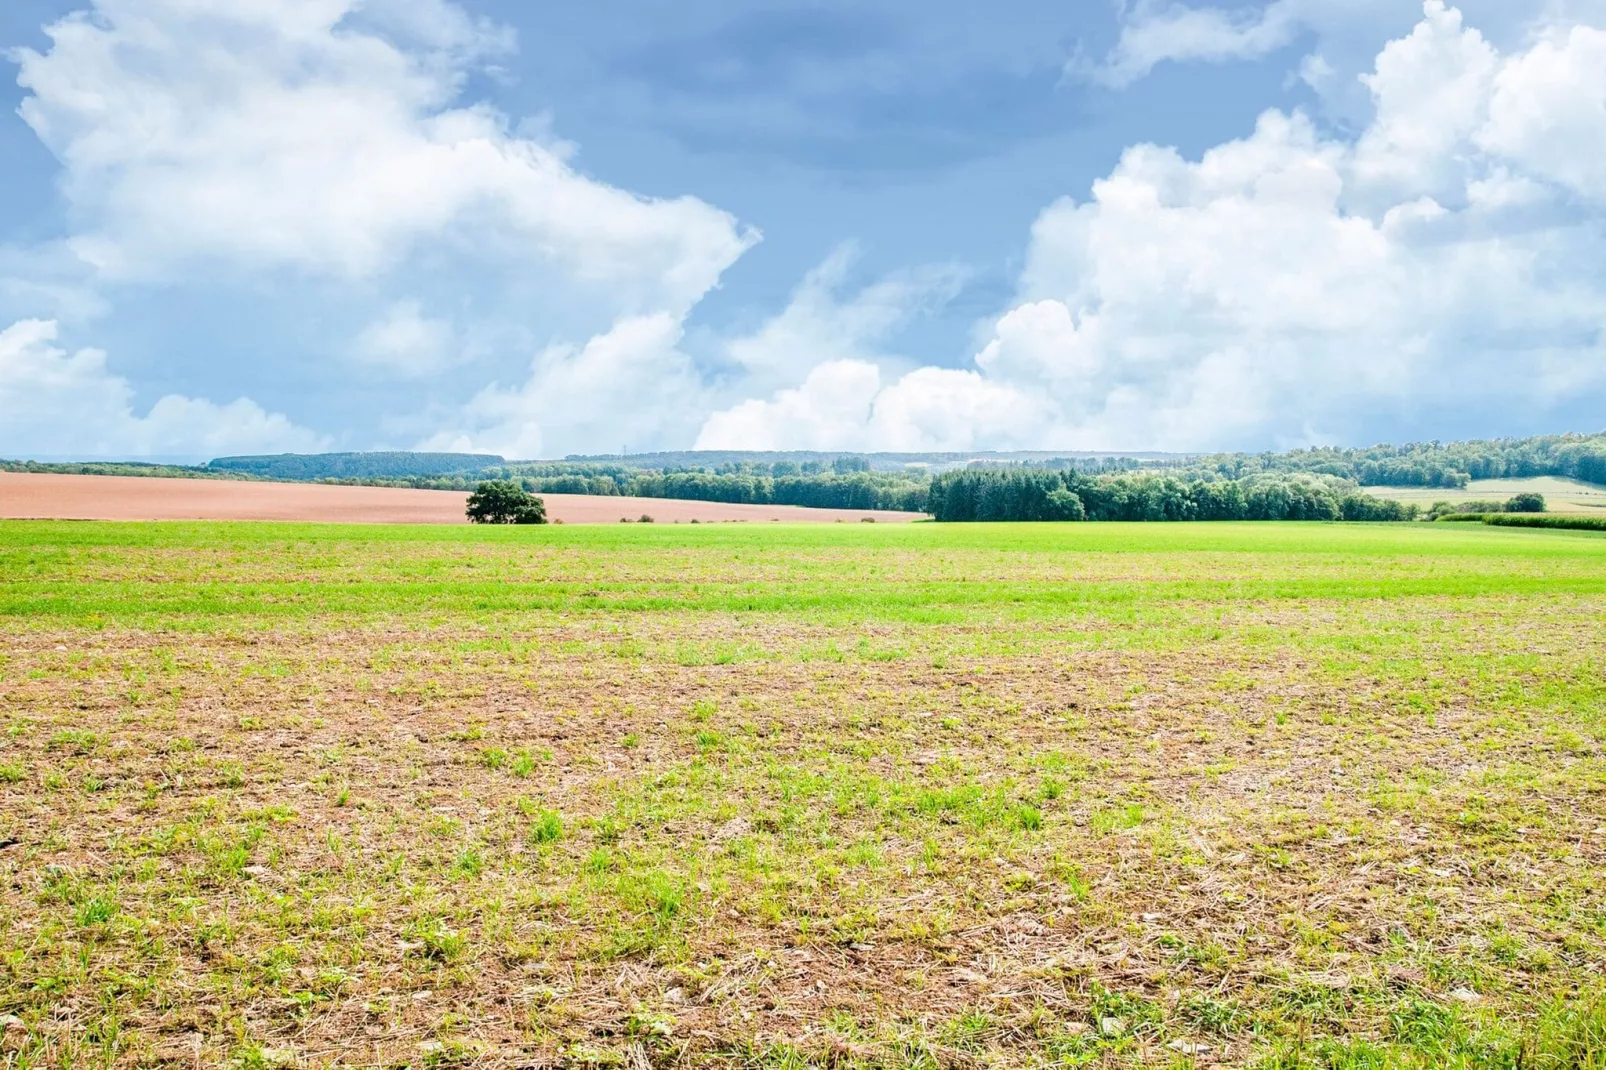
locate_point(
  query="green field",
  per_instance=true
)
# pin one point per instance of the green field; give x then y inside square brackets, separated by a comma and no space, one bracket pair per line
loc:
[1561,495]
[1276,795]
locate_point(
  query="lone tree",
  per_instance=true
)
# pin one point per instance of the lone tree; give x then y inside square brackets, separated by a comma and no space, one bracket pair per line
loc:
[502,502]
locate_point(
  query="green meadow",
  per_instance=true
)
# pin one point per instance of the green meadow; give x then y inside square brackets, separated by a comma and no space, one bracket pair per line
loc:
[847,795]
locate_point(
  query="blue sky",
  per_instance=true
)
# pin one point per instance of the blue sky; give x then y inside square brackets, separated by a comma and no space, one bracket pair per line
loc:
[241,225]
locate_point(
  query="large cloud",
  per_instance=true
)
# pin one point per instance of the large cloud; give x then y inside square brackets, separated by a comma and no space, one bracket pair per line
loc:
[843,404]
[55,402]
[630,386]
[317,150]
[1293,287]
[322,142]
[1548,110]
[636,385]
[295,134]
[837,339]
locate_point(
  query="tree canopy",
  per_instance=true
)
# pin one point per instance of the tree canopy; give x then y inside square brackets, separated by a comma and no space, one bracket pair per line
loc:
[1034,494]
[501,502]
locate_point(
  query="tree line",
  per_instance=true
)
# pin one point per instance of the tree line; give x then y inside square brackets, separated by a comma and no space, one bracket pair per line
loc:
[1018,494]
[122,468]
[311,467]
[1425,464]
[859,490]
[1526,502]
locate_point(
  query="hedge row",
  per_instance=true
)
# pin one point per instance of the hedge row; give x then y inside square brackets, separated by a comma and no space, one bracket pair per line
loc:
[1570,523]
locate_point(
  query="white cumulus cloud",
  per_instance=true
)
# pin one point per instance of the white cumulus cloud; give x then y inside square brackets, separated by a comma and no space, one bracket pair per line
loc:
[1548,110]
[1292,286]
[324,142]
[287,134]
[630,385]
[837,339]
[53,402]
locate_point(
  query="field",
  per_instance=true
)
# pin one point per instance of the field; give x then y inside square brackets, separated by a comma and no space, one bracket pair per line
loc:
[27,496]
[873,796]
[1561,495]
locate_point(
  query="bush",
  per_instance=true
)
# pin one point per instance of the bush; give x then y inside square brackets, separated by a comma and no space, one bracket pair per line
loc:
[1526,503]
[1367,508]
[501,502]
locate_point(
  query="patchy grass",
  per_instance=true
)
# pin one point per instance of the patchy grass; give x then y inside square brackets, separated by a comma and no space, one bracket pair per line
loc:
[851,796]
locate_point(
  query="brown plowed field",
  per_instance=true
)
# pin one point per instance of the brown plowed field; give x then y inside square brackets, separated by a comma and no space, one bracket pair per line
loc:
[26,496]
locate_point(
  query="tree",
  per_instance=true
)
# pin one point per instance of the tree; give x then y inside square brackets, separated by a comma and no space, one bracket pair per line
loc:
[501,502]
[1063,504]
[1526,503]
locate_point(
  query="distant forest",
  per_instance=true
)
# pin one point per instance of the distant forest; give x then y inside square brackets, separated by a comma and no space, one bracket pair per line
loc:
[1429,464]
[992,494]
[1313,484]
[306,467]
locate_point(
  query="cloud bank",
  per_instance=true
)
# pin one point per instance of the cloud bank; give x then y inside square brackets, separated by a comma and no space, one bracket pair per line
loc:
[1291,286]
[321,141]
[296,134]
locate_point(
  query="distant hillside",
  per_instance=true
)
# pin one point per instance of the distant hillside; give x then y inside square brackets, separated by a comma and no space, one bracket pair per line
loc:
[825,460]
[120,468]
[297,467]
[1429,464]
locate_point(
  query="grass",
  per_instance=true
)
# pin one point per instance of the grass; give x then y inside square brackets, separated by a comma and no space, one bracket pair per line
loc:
[869,796]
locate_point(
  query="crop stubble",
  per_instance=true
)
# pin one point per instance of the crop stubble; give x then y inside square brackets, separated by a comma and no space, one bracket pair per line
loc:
[984,796]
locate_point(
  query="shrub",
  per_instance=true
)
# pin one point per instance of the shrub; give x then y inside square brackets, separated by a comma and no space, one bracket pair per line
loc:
[1367,508]
[1526,503]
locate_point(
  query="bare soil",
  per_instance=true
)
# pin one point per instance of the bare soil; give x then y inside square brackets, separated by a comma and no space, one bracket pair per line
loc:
[28,496]
[938,797]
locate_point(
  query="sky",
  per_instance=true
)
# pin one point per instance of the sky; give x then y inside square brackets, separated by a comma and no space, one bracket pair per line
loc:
[247,226]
